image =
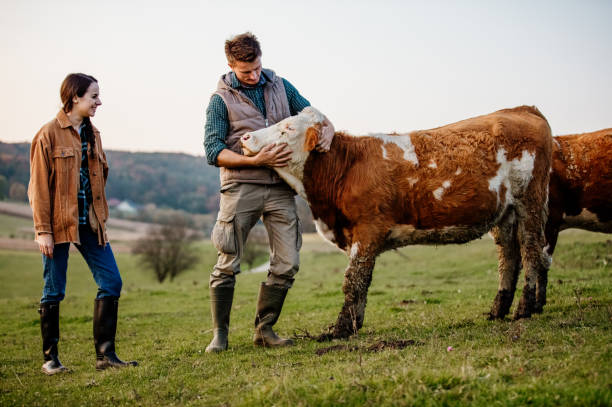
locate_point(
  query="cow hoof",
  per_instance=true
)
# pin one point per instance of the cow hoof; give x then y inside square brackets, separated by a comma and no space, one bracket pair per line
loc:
[340,332]
[501,304]
[521,315]
[492,316]
[329,336]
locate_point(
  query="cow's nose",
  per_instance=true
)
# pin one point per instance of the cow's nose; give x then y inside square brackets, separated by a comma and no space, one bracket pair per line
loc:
[246,137]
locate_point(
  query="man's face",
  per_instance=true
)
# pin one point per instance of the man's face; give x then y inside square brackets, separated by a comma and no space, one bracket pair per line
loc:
[247,72]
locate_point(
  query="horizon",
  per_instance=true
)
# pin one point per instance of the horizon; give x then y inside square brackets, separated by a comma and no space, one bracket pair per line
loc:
[371,68]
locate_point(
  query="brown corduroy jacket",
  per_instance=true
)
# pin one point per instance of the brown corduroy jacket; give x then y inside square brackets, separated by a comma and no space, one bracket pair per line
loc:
[55,162]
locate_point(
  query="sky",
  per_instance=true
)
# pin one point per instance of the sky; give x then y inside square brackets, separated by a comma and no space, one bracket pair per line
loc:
[371,67]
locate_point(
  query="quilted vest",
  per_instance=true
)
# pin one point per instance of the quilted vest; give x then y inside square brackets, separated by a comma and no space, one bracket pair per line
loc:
[244,117]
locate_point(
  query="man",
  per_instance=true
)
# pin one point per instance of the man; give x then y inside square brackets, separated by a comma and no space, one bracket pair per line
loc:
[249,98]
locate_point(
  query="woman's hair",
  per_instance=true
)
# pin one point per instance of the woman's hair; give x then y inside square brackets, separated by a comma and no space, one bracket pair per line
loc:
[243,48]
[76,84]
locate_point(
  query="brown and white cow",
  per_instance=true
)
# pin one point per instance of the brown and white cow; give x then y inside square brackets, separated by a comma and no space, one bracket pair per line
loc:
[451,184]
[580,197]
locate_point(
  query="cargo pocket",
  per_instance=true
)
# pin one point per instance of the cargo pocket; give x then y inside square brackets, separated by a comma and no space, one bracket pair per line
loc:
[224,234]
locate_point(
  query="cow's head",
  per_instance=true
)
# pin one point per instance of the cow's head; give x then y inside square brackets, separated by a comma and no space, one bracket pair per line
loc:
[300,132]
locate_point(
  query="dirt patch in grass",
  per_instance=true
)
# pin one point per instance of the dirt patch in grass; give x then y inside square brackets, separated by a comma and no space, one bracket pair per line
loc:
[375,347]
[384,345]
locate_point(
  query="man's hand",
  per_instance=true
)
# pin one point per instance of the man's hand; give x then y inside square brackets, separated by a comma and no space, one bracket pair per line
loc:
[45,244]
[273,155]
[326,137]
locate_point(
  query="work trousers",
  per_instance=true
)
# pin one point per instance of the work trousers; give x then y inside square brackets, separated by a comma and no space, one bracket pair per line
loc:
[242,205]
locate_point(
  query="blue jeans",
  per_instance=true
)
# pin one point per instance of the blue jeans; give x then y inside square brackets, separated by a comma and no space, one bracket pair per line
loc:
[100,260]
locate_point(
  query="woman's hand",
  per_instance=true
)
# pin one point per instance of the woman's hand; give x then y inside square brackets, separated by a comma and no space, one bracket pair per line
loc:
[45,244]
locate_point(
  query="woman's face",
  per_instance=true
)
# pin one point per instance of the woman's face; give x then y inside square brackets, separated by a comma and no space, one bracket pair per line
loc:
[86,105]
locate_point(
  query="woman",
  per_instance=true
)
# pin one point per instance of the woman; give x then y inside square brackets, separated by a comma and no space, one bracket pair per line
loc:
[68,173]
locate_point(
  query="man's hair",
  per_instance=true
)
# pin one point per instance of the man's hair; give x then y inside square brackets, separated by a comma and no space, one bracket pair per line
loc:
[243,48]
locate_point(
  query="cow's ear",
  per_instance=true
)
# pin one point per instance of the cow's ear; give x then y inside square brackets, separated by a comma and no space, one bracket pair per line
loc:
[312,137]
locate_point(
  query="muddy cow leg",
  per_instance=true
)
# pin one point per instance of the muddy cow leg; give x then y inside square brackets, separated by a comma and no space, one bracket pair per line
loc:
[552,233]
[531,213]
[509,266]
[357,279]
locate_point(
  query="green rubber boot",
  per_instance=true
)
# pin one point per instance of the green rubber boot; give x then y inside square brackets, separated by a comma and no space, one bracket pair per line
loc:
[220,306]
[269,306]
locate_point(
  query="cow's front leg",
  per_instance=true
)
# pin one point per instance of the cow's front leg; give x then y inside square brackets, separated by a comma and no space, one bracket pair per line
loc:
[552,233]
[357,279]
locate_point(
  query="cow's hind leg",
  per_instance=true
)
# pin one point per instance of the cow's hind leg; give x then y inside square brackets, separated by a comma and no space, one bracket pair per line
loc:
[357,279]
[509,266]
[531,223]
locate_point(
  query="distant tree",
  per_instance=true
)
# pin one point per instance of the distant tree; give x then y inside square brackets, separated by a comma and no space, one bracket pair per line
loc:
[168,250]
[212,203]
[4,188]
[256,246]
[17,192]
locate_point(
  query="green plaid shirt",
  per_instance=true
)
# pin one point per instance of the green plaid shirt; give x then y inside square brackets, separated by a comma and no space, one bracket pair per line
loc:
[217,118]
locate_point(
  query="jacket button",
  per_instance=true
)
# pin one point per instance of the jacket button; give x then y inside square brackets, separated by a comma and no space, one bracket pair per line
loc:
[94,174]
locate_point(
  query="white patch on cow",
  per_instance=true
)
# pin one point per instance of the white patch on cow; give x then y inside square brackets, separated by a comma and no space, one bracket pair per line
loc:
[412,181]
[432,164]
[547,256]
[384,151]
[354,250]
[324,231]
[403,141]
[547,259]
[458,171]
[514,175]
[557,142]
[438,192]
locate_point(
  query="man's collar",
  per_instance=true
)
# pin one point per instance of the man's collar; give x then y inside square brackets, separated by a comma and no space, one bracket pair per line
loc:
[237,84]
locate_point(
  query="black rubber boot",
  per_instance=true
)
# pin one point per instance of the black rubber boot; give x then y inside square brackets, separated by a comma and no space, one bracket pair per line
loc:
[220,305]
[104,329]
[49,328]
[269,306]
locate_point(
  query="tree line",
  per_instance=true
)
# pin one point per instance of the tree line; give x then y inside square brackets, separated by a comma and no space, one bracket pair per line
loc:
[168,180]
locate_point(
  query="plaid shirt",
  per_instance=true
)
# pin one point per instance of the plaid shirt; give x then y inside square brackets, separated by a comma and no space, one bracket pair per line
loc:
[84,196]
[217,118]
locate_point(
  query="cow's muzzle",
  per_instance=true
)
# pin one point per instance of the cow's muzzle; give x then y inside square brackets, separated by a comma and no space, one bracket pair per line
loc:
[245,149]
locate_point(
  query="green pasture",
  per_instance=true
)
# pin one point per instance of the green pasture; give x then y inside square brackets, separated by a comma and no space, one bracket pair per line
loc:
[425,340]
[15,227]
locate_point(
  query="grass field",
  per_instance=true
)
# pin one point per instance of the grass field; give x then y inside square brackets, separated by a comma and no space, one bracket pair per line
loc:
[422,301]
[12,226]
